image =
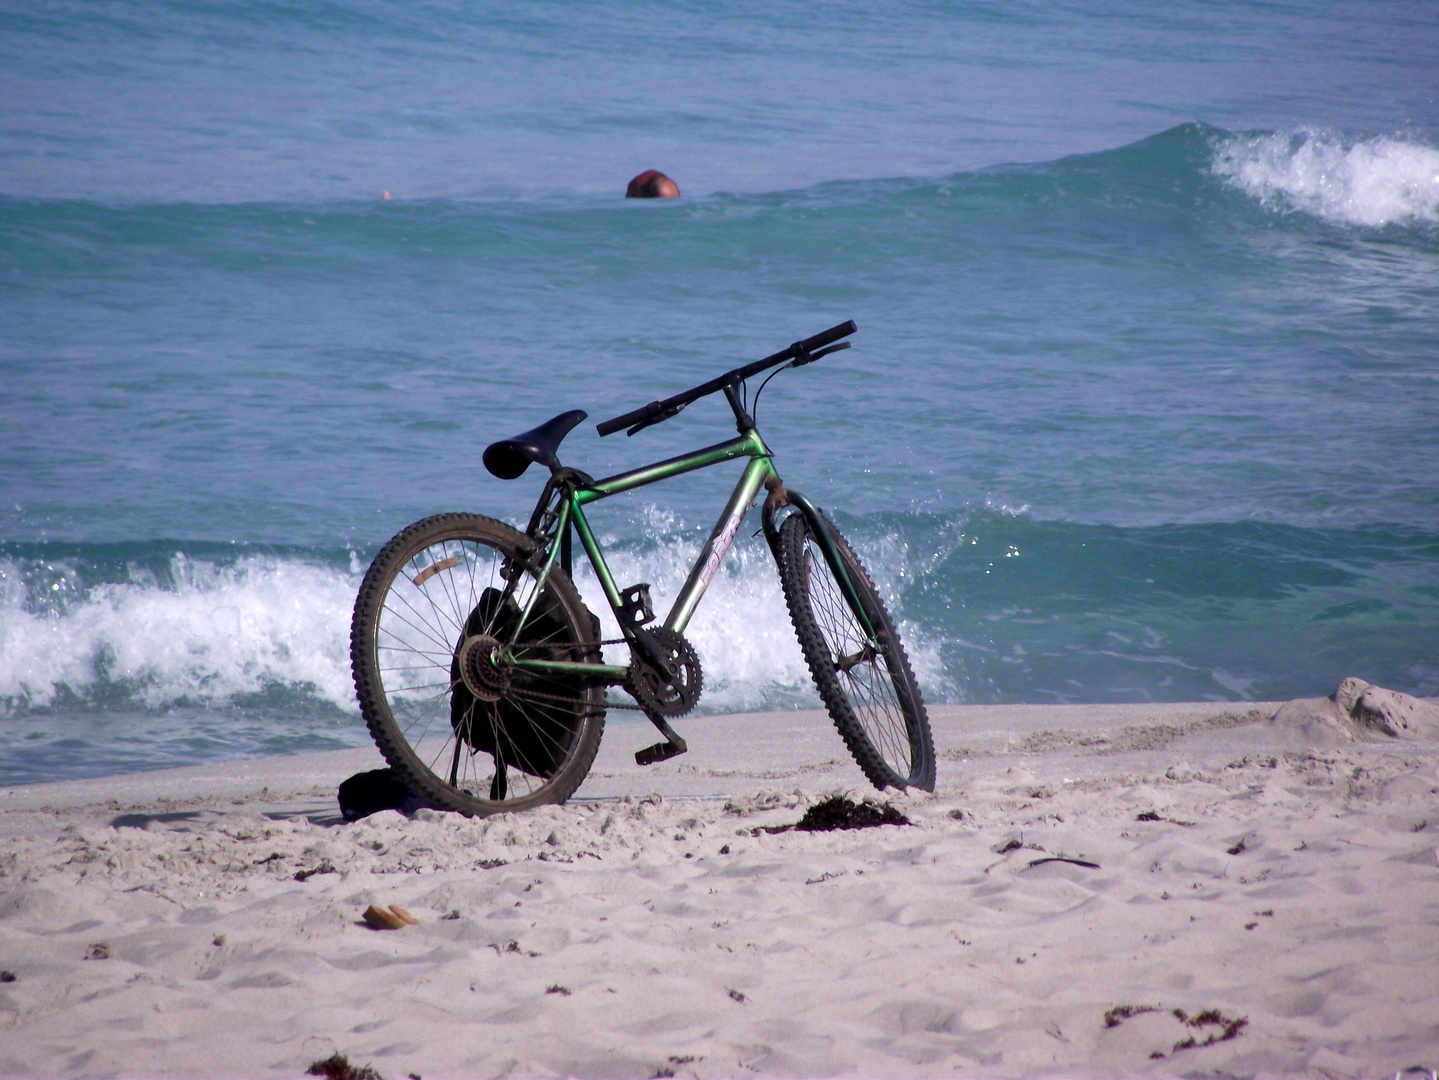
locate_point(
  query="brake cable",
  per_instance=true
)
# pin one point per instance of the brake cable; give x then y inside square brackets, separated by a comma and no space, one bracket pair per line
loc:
[753,409]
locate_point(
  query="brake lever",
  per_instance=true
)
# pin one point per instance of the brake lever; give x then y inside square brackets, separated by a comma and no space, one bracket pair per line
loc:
[659,418]
[810,358]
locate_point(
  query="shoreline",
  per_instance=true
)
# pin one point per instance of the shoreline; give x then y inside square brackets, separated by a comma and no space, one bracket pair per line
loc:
[1074,860]
[793,738]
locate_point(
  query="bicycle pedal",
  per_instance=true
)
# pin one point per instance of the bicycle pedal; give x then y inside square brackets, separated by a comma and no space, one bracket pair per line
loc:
[636,608]
[652,755]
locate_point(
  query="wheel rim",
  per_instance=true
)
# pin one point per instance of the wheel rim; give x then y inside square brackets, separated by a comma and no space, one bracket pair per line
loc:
[486,732]
[862,668]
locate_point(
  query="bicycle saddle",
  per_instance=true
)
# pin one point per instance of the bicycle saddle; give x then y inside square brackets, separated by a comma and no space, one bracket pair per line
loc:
[509,458]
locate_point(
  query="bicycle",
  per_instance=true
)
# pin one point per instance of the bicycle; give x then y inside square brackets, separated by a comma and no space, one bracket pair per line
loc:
[479,670]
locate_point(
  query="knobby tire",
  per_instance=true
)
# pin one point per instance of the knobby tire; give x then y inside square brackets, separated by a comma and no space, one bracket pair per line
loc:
[438,583]
[865,682]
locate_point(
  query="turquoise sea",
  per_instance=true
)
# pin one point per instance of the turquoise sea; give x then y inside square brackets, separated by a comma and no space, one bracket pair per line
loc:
[1144,404]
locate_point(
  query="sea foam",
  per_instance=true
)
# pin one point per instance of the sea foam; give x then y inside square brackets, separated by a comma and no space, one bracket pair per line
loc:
[210,634]
[214,633]
[1372,182]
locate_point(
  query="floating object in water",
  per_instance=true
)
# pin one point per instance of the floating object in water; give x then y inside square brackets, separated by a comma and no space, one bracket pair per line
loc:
[652,184]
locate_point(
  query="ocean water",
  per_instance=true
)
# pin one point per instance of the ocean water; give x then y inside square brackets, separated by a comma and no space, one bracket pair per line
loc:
[1142,406]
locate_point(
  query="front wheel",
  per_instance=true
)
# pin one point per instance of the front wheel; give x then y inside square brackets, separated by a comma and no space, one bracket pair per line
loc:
[440,611]
[864,678]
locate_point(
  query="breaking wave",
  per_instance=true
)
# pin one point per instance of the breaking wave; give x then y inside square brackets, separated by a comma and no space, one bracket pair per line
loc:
[191,632]
[196,629]
[1369,182]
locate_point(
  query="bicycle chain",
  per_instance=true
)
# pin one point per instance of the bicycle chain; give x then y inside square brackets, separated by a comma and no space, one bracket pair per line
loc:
[636,707]
[542,696]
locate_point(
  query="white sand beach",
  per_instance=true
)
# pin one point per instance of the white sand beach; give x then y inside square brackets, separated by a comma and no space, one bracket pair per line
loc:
[1245,897]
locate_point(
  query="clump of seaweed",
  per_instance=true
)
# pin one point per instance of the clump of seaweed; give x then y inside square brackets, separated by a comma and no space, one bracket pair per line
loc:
[1120,1013]
[1229,1027]
[1154,815]
[838,812]
[337,1067]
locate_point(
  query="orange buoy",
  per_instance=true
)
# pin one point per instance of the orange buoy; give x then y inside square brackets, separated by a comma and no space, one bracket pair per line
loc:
[652,184]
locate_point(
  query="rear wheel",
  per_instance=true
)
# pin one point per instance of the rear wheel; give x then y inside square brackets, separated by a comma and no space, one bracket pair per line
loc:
[467,731]
[864,678]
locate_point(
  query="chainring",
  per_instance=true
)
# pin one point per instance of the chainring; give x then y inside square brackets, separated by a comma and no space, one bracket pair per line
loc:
[672,692]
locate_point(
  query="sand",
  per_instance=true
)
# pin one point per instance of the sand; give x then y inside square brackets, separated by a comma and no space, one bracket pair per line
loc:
[1225,869]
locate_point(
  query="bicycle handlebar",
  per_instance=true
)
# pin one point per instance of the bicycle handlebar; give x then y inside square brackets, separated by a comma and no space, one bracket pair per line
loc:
[802,352]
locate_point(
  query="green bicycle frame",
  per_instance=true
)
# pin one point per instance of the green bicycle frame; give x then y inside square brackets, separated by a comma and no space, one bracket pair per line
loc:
[577,490]
[574,496]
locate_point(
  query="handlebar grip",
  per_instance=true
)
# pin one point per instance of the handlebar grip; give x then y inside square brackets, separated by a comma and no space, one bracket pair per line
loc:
[823,338]
[637,416]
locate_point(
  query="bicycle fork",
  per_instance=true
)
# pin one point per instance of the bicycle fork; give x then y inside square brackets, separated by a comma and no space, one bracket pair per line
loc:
[780,497]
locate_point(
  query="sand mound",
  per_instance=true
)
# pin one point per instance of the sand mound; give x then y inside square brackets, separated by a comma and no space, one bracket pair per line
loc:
[1358,710]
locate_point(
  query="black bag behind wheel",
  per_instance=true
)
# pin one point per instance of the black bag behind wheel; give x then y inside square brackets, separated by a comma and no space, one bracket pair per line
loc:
[539,741]
[500,738]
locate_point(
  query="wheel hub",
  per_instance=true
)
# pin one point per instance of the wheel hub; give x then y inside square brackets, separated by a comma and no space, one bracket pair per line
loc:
[478,670]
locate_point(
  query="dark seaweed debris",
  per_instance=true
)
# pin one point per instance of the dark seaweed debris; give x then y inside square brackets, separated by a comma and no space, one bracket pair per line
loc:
[337,1067]
[1117,1015]
[1229,1027]
[1154,815]
[325,867]
[838,812]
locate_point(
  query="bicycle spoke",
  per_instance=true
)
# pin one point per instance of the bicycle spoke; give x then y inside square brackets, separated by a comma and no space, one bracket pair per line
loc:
[486,754]
[455,764]
[422,628]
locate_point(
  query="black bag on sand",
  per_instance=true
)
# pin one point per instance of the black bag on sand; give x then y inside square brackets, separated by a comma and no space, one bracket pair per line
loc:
[368,793]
